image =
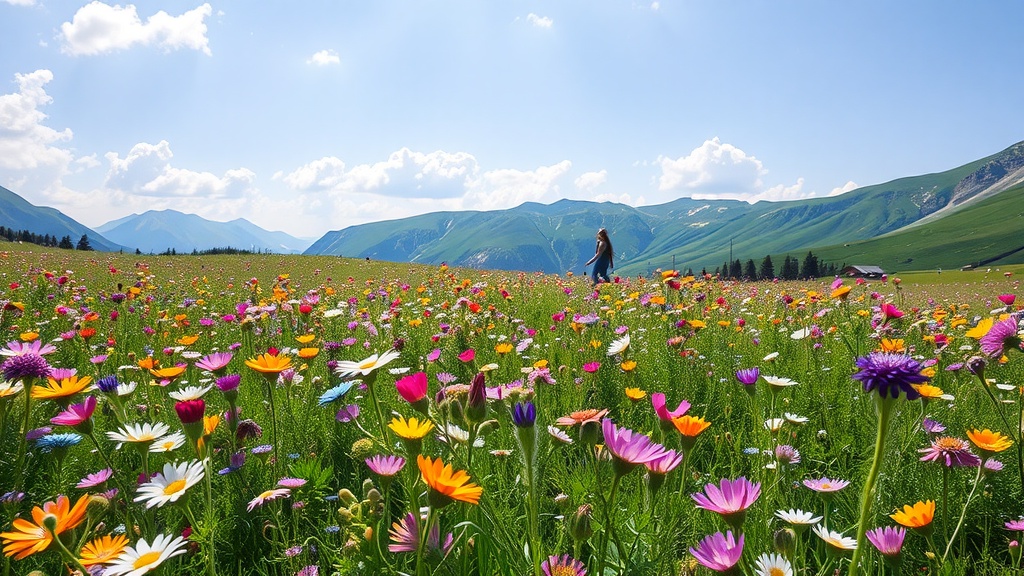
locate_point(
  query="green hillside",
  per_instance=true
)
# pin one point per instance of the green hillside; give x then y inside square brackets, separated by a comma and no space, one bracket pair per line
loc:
[20,214]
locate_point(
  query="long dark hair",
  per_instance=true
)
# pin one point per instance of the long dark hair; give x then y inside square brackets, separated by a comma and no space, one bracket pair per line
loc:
[602,234]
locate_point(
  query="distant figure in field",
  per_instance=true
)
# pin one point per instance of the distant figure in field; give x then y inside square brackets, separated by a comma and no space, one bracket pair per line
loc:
[603,257]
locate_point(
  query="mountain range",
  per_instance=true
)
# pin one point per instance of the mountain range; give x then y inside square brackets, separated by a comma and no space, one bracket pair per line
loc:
[971,214]
[161,230]
[705,233]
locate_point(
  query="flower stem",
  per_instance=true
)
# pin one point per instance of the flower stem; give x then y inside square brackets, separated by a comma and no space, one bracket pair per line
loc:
[609,519]
[963,514]
[883,408]
[23,441]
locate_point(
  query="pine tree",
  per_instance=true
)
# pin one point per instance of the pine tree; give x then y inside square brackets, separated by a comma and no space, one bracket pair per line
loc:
[83,243]
[65,243]
[767,271]
[810,267]
[750,270]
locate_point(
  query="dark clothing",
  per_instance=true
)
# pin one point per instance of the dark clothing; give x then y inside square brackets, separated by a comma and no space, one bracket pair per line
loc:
[601,268]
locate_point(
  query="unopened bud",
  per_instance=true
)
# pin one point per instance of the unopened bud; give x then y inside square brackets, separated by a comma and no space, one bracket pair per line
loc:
[373,496]
[590,431]
[347,497]
[97,506]
[50,522]
[784,541]
[579,523]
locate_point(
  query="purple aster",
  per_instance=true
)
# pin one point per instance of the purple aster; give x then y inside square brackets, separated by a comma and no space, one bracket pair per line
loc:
[787,454]
[405,535]
[1015,525]
[386,466]
[890,374]
[248,429]
[888,540]
[826,486]
[95,479]
[291,483]
[953,452]
[730,498]
[25,366]
[719,552]
[563,565]
[748,376]
[1001,338]
[629,448]
[228,383]
[347,413]
[932,427]
[107,384]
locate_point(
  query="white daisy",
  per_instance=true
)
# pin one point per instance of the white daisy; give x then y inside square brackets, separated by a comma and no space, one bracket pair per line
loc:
[800,334]
[794,418]
[778,382]
[489,367]
[798,517]
[126,388]
[461,436]
[618,346]
[835,540]
[348,368]
[9,389]
[139,433]
[189,393]
[559,435]
[773,425]
[170,484]
[773,565]
[168,443]
[144,557]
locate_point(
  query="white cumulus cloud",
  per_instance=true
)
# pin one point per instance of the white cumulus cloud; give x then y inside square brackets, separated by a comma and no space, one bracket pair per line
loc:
[850,185]
[324,58]
[539,21]
[713,167]
[26,143]
[588,181]
[98,28]
[146,171]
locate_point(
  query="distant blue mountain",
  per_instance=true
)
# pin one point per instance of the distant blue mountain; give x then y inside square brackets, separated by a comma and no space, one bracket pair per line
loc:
[160,230]
[19,214]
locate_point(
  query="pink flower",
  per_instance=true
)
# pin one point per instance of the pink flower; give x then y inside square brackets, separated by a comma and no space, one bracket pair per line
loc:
[629,448]
[95,479]
[267,496]
[215,362]
[730,498]
[591,367]
[77,414]
[434,355]
[1007,299]
[719,552]
[468,355]
[413,388]
[890,312]
[658,401]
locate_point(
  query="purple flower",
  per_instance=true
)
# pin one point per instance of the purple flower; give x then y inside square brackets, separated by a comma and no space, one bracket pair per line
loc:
[1015,525]
[33,348]
[932,427]
[564,565]
[1001,338]
[25,366]
[888,540]
[107,384]
[524,414]
[719,552]
[347,413]
[826,486]
[228,383]
[890,374]
[386,466]
[953,452]
[95,479]
[787,454]
[628,448]
[730,498]
[748,376]
[215,362]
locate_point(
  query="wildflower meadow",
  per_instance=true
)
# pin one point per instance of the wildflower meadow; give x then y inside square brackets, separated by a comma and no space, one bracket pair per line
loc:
[315,416]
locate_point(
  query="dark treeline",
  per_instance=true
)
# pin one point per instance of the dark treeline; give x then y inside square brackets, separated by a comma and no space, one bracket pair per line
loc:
[49,240]
[791,269]
[211,252]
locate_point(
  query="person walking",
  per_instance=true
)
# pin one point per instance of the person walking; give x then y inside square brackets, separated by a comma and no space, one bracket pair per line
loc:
[604,257]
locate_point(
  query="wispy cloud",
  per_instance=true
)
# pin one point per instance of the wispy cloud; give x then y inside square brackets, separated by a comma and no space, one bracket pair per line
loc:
[539,21]
[324,58]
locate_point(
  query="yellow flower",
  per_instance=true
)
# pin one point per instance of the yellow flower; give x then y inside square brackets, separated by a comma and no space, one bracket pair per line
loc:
[842,292]
[411,429]
[628,365]
[307,353]
[981,329]
[269,364]
[696,324]
[724,323]
[503,348]
[635,394]
[415,322]
[55,390]
[169,373]
[540,364]
[928,391]
[305,338]
[28,336]
[102,550]
[892,345]
[595,344]
[917,516]
[187,340]
[447,485]
[988,441]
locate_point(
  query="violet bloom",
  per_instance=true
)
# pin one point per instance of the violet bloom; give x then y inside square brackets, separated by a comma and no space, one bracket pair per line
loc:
[386,466]
[1001,338]
[347,413]
[719,552]
[932,427]
[888,540]
[228,383]
[748,377]
[826,487]
[1015,525]
[95,479]
[890,374]
[24,367]
[215,362]
[730,498]
[33,348]
[629,449]
[953,452]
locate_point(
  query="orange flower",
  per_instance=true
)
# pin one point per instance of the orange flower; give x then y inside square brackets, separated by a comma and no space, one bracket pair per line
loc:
[841,292]
[503,348]
[102,550]
[690,426]
[307,353]
[918,516]
[698,324]
[635,394]
[87,333]
[169,373]
[28,336]
[927,391]
[148,363]
[65,388]
[269,364]
[891,345]
[28,538]
[447,485]
[988,441]
[188,340]
[305,338]
[628,365]
[582,416]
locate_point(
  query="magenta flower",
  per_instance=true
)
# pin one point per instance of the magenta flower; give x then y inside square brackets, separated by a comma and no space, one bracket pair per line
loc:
[666,463]
[1007,299]
[468,355]
[890,312]
[748,376]
[730,498]
[1001,338]
[77,416]
[953,452]
[1015,525]
[658,401]
[405,535]
[591,367]
[564,565]
[719,552]
[95,479]
[434,355]
[215,362]
[629,449]
[386,466]
[888,540]
[347,413]
[413,388]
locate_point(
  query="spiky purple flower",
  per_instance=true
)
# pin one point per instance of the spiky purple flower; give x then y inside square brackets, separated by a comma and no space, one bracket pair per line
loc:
[890,374]
[953,452]
[1001,338]
[25,366]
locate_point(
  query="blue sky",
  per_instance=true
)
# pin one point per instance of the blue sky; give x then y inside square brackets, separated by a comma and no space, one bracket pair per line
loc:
[312,116]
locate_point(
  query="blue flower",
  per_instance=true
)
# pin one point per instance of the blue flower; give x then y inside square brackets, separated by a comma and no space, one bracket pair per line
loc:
[524,414]
[336,393]
[58,441]
[890,374]
[107,384]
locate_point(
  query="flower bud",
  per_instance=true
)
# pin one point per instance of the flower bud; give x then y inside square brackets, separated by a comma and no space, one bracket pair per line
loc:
[347,497]
[476,407]
[976,366]
[784,541]
[590,432]
[1015,552]
[579,523]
